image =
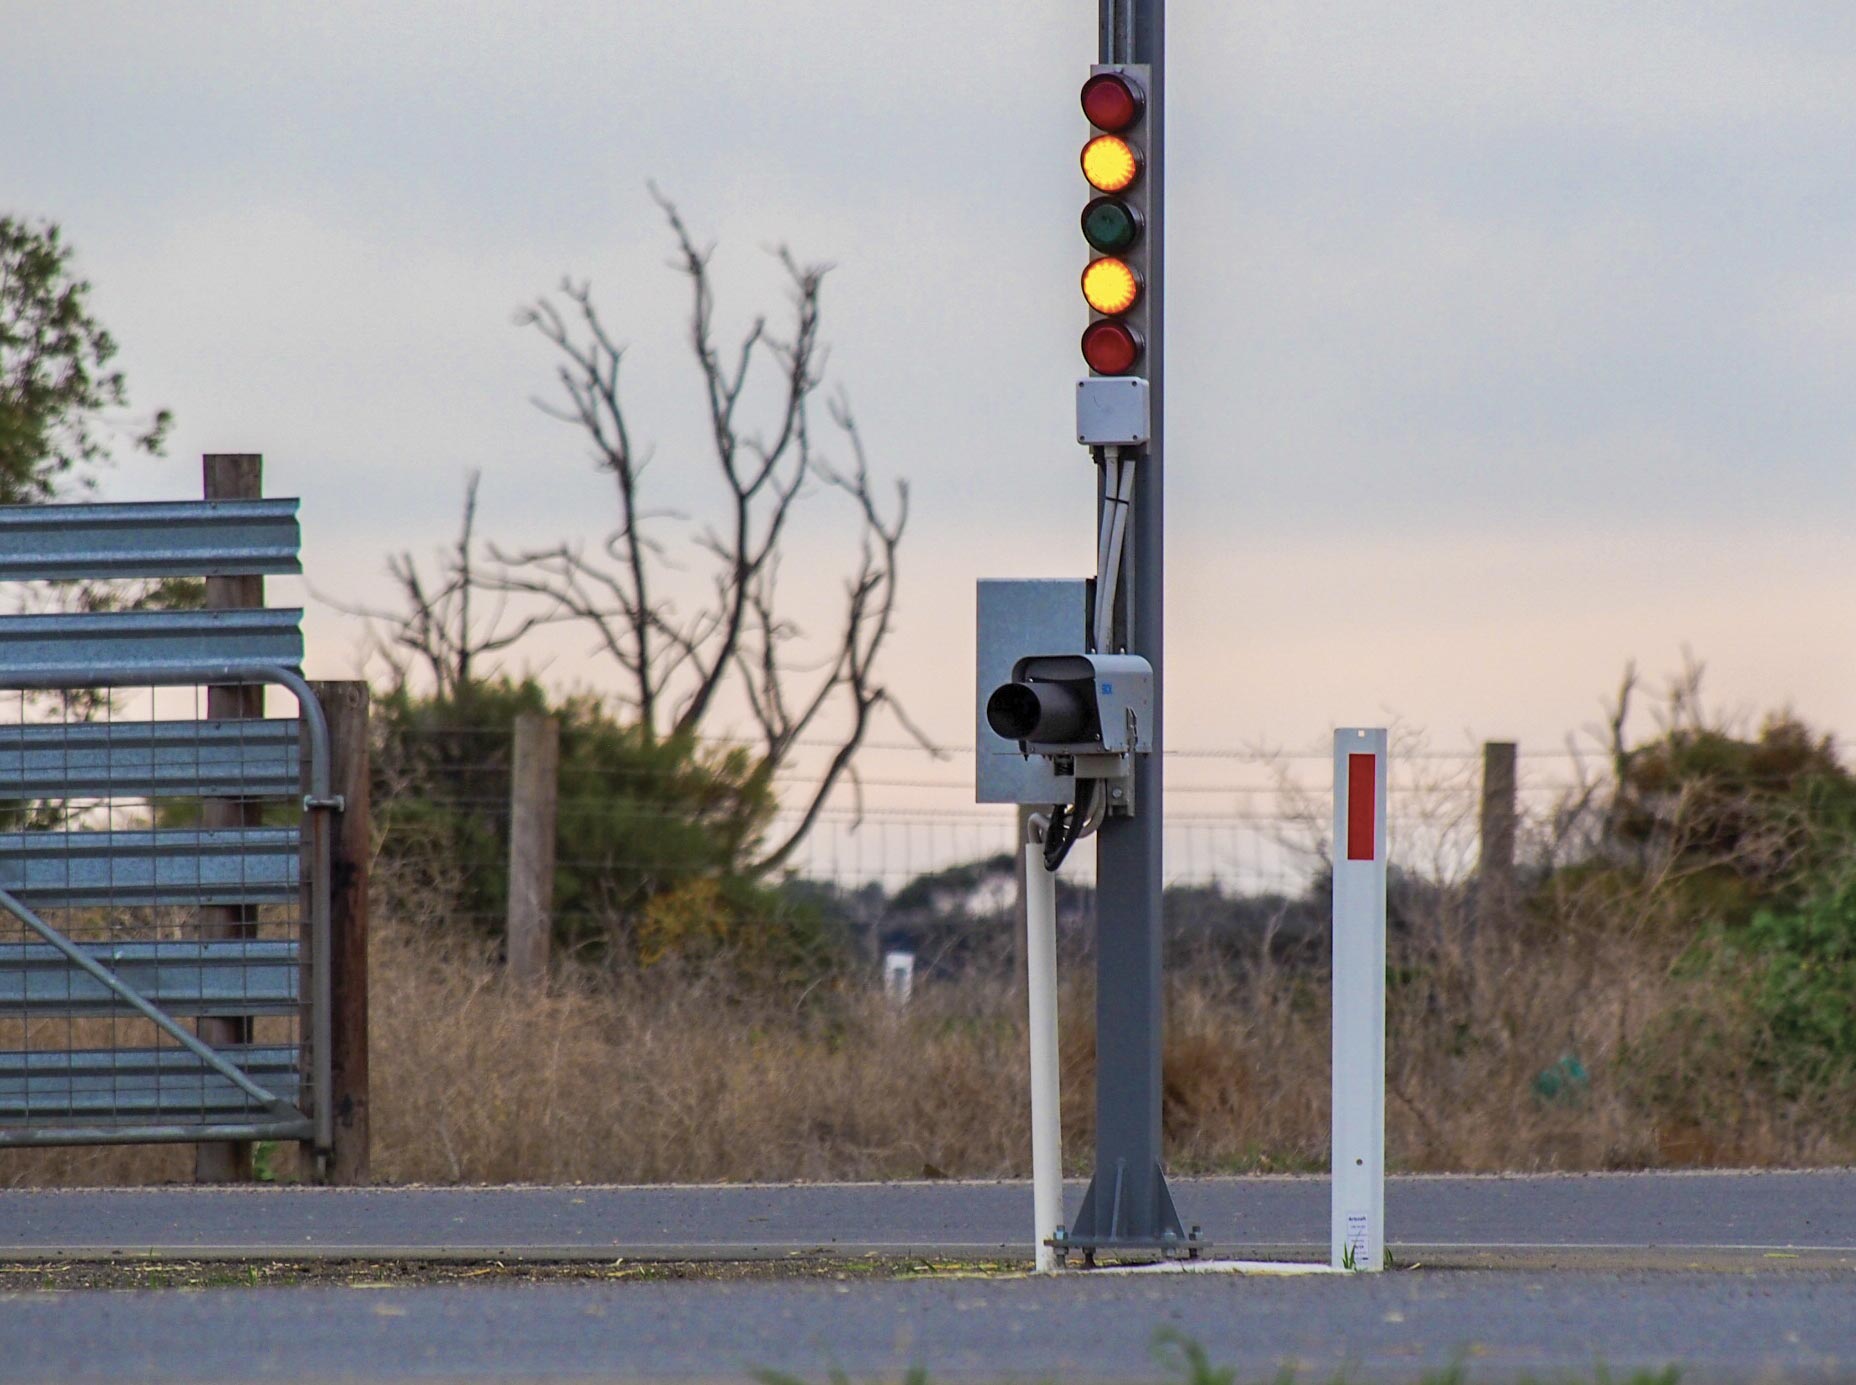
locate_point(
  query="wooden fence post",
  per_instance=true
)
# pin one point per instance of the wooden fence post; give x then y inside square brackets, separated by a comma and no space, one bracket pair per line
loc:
[345,704]
[533,791]
[1495,863]
[230,476]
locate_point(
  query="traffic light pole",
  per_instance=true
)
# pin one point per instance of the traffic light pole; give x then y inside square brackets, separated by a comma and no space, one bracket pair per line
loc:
[1128,1206]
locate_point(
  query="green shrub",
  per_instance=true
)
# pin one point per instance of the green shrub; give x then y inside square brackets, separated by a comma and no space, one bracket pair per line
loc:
[1745,822]
[654,836]
[1803,988]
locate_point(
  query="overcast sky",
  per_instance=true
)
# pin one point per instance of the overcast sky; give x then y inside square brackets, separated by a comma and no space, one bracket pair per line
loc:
[1509,341]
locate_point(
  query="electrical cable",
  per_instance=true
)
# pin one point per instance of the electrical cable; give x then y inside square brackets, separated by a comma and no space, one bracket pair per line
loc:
[1117,495]
[1124,508]
[1098,808]
[1108,467]
[1063,831]
[1055,848]
[1118,498]
[1109,482]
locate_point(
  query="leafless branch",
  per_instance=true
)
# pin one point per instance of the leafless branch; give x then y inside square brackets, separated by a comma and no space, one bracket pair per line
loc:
[869,614]
[678,664]
[438,629]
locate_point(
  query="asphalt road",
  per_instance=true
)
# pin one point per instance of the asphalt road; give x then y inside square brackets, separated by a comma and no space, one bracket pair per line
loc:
[1378,1328]
[1671,1219]
[1579,1290]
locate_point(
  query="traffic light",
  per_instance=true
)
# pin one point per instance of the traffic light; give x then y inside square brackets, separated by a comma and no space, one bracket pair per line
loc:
[1115,220]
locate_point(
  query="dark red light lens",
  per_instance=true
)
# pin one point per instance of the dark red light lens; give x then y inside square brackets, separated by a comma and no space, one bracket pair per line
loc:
[1112,102]
[1111,348]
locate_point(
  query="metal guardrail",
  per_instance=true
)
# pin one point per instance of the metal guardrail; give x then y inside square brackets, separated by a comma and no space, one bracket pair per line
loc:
[159,926]
[143,1084]
[79,870]
[188,538]
[225,976]
[152,759]
[120,647]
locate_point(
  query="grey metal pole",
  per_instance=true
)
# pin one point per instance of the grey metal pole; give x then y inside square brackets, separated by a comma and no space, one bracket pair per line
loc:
[1128,1203]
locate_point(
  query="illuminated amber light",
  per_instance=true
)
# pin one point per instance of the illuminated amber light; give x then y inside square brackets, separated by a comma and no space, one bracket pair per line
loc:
[1110,163]
[1111,286]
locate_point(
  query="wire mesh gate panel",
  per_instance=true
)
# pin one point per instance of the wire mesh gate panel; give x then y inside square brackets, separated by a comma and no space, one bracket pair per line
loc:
[164,908]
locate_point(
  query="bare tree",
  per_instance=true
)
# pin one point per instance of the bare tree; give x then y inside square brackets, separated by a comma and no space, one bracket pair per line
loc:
[677,663]
[439,629]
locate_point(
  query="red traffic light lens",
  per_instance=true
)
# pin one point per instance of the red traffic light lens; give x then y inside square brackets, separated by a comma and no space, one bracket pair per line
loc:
[1111,348]
[1112,102]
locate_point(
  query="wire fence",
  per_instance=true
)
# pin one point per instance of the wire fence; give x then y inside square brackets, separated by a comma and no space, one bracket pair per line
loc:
[1247,822]
[1241,824]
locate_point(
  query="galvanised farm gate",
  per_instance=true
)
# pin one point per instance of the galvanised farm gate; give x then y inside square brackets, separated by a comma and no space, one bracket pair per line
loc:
[164,866]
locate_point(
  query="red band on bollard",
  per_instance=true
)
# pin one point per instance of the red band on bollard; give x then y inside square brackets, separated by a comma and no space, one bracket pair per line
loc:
[1362,804]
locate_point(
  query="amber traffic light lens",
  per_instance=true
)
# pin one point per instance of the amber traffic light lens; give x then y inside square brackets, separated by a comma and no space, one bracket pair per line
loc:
[1110,163]
[1110,347]
[1112,102]
[1111,286]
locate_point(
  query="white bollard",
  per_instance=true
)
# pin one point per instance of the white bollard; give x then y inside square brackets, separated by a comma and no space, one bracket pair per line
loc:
[899,976]
[1357,1238]
[1046,1094]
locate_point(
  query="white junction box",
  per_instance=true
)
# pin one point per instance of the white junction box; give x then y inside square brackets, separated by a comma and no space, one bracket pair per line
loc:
[1111,411]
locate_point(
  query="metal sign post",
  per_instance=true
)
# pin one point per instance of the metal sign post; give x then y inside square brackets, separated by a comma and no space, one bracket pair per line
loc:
[1128,1205]
[1357,1239]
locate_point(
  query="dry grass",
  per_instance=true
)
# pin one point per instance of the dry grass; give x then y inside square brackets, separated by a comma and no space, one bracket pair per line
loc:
[642,1081]
[656,1078]
[100,1166]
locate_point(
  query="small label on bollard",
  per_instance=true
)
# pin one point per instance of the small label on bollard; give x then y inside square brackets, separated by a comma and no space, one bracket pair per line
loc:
[1356,1236]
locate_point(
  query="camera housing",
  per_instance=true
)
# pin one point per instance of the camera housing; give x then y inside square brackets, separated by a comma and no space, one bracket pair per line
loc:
[1077,706]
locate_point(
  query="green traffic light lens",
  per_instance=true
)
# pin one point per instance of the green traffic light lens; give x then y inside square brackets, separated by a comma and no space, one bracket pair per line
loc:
[1111,225]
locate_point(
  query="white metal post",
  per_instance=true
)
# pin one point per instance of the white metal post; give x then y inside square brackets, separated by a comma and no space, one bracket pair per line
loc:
[1046,1093]
[1357,1238]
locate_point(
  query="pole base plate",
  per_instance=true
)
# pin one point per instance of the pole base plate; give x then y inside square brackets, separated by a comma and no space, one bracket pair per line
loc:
[1119,1234]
